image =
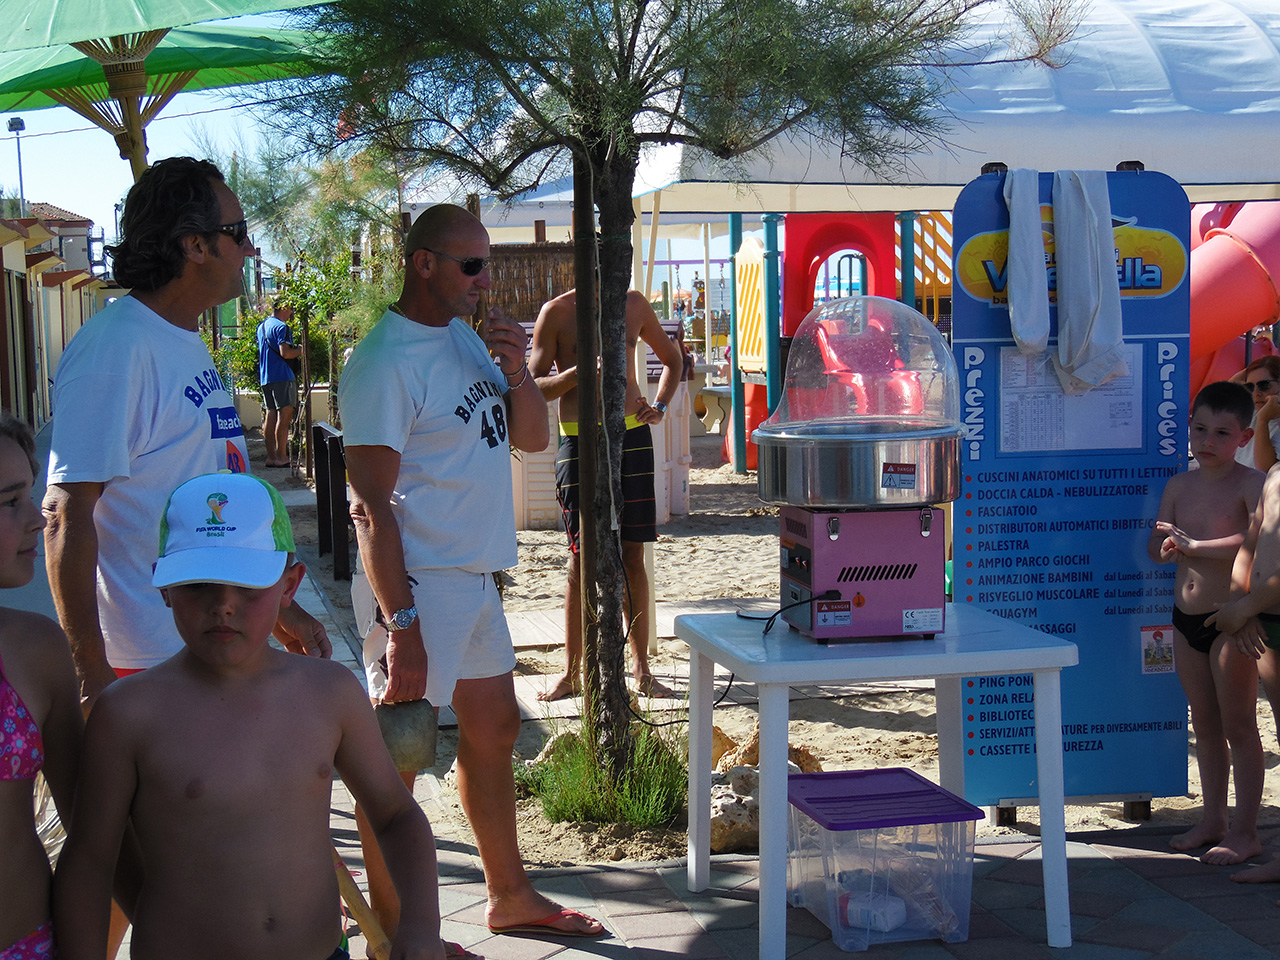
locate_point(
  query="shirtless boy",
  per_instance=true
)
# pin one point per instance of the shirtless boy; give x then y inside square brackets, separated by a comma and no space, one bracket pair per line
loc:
[555,342]
[1253,614]
[1203,517]
[222,760]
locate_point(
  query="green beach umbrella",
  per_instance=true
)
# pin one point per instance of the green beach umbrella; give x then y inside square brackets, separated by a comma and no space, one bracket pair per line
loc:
[51,23]
[120,83]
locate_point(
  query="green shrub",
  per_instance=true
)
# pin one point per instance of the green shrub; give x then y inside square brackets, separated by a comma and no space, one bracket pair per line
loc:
[238,356]
[574,784]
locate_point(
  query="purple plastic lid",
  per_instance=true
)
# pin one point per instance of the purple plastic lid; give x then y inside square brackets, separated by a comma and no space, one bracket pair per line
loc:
[865,799]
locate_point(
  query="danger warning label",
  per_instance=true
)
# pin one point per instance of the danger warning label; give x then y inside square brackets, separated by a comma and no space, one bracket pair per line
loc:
[898,476]
[833,613]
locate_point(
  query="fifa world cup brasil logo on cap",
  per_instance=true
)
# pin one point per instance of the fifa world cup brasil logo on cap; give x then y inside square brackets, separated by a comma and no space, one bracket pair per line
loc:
[216,501]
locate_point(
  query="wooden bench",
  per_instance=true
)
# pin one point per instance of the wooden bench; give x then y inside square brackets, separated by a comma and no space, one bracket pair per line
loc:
[718,404]
[332,506]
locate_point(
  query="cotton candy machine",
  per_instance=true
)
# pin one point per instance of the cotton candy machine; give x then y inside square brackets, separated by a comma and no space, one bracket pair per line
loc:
[864,442]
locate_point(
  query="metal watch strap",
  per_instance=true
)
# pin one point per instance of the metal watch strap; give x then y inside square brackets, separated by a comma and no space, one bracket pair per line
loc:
[402,619]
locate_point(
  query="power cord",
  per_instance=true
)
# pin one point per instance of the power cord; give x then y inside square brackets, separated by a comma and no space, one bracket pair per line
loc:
[769,620]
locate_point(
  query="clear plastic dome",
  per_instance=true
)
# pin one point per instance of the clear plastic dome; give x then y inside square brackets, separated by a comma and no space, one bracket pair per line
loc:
[869,415]
[864,365]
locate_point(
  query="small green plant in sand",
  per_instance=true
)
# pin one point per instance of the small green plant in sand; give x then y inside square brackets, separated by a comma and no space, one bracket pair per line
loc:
[574,784]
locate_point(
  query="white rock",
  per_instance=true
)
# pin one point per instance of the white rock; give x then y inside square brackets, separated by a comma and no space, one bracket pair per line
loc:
[735,810]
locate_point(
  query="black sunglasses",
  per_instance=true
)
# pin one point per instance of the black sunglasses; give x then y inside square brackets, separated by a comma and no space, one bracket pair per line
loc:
[238,232]
[1263,385]
[471,266]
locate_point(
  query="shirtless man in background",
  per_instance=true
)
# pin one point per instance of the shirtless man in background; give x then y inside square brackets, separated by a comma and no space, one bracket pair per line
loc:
[555,344]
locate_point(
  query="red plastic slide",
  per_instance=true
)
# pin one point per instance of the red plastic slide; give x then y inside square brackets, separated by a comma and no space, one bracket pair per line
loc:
[1235,275]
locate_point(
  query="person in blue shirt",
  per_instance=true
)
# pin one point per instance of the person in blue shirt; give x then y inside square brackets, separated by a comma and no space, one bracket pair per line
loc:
[279,384]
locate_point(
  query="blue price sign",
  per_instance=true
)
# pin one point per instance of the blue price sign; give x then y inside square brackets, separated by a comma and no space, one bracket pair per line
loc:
[1059,492]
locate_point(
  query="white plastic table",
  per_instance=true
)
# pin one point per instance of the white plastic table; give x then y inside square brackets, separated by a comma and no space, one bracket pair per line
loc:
[975,643]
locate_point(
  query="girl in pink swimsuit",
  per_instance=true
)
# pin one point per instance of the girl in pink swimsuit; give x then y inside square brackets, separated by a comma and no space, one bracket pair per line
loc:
[40,719]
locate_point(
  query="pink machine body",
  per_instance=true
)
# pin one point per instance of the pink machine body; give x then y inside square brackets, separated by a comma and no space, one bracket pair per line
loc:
[888,567]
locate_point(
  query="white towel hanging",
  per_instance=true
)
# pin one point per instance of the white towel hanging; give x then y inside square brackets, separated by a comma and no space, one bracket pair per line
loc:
[1090,328]
[1026,281]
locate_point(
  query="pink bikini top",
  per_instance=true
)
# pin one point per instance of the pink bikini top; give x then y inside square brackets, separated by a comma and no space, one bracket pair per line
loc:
[21,747]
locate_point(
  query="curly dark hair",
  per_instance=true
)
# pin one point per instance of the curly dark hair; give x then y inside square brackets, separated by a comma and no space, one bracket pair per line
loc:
[18,431]
[173,199]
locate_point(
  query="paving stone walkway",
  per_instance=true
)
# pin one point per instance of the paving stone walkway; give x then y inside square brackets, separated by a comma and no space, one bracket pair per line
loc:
[1131,896]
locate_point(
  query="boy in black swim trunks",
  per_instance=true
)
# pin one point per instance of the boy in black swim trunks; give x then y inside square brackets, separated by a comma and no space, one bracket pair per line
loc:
[1203,517]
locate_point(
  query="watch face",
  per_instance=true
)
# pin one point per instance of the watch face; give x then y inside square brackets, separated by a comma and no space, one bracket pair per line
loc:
[403,619]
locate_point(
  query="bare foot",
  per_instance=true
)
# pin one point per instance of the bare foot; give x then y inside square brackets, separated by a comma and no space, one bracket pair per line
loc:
[564,688]
[1202,834]
[650,686]
[1268,872]
[536,914]
[1234,848]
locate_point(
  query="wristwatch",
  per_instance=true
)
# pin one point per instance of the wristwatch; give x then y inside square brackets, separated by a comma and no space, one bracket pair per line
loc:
[402,619]
[659,406]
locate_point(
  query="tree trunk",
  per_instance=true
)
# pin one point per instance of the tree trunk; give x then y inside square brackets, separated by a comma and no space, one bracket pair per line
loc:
[613,179]
[588,439]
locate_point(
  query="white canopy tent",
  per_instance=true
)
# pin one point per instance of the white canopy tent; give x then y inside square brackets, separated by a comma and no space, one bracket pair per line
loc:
[512,221]
[1189,87]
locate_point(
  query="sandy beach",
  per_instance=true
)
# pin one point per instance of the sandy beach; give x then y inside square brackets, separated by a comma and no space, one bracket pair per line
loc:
[726,547]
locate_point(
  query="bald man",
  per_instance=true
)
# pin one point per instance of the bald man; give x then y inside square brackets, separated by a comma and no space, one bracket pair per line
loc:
[429,412]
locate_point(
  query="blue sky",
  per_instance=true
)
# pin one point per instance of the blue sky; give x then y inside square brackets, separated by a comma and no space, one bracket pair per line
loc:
[69,162]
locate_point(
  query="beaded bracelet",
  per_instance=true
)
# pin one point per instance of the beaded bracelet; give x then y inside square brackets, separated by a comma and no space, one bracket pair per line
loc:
[520,383]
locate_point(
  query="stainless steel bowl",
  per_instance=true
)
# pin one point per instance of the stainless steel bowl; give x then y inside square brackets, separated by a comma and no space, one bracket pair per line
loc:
[858,464]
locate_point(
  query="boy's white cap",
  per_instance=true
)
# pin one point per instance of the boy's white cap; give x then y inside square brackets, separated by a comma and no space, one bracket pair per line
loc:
[223,528]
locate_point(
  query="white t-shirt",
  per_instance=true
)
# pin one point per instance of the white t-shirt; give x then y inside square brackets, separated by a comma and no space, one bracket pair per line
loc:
[434,395]
[140,408]
[1245,454]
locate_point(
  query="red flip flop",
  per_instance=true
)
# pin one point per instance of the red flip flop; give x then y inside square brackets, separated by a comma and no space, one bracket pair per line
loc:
[547,925]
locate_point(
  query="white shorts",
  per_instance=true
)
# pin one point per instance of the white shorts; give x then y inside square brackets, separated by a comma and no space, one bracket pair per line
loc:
[463,628]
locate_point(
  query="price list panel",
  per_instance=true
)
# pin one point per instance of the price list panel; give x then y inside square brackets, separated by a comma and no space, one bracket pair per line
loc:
[1059,493]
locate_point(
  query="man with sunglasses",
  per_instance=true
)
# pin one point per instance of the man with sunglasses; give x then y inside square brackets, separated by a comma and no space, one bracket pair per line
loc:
[140,407]
[430,411]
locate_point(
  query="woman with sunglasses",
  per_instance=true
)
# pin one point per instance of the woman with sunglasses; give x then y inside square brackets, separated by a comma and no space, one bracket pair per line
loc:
[1262,379]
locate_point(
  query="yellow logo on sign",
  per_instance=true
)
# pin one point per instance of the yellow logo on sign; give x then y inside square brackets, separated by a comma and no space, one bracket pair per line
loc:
[1149,262]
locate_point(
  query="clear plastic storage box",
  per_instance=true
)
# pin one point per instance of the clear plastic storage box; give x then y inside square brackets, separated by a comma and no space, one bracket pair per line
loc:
[881,856]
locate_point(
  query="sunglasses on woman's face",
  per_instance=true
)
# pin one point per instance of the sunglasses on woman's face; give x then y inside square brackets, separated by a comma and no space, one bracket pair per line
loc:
[238,232]
[1263,385]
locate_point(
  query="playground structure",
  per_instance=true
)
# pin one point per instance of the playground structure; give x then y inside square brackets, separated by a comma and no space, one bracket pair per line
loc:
[1234,277]
[1235,269]
[812,239]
